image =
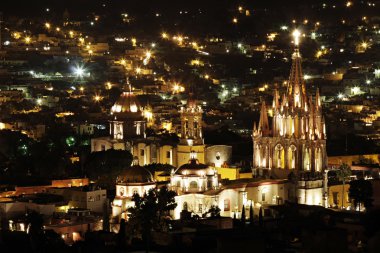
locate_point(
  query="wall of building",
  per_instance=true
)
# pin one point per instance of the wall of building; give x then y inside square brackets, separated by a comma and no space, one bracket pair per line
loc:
[184,151]
[310,196]
[335,196]
[349,159]
[218,155]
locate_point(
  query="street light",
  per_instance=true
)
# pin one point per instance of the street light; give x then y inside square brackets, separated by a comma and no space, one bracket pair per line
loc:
[79,71]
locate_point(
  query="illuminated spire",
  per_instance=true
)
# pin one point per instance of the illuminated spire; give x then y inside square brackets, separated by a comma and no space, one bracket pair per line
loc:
[276,97]
[296,84]
[264,123]
[317,100]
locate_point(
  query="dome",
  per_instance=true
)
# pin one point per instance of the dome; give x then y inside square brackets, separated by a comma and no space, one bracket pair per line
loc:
[127,102]
[192,167]
[135,174]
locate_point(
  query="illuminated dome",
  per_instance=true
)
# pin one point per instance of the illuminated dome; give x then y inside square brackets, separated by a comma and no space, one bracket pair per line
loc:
[135,174]
[127,102]
[194,167]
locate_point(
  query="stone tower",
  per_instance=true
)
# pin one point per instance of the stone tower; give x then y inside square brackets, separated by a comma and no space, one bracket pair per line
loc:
[191,141]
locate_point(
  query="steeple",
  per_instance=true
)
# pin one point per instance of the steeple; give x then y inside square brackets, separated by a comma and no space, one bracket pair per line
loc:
[317,100]
[191,123]
[264,123]
[296,85]
[276,98]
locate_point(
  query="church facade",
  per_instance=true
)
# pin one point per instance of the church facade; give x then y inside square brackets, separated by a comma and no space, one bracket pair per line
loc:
[294,145]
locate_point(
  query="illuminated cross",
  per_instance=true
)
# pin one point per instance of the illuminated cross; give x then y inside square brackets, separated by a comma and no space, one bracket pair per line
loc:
[296,34]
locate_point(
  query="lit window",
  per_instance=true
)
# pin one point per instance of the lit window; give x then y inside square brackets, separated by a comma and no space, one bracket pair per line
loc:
[226,205]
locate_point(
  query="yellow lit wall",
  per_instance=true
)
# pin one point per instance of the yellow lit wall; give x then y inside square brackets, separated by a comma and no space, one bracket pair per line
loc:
[183,153]
[349,159]
[159,178]
[228,173]
[338,189]
[232,173]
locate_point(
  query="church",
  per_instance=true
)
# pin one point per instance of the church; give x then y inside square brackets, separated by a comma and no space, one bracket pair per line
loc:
[294,146]
[128,123]
[289,159]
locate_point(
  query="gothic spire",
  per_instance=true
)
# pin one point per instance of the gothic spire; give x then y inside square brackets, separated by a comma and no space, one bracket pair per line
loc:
[296,85]
[264,123]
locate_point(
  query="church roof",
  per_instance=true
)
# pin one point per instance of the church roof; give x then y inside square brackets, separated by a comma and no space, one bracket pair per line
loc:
[127,103]
[135,174]
[191,167]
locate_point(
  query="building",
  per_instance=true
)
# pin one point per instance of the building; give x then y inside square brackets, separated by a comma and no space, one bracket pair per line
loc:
[135,179]
[127,123]
[295,145]
[82,197]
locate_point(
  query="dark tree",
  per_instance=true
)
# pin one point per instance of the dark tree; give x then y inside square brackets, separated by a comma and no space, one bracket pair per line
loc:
[213,212]
[149,211]
[251,214]
[243,215]
[105,166]
[261,219]
[361,193]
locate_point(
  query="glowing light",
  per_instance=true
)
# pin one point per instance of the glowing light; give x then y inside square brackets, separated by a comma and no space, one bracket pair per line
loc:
[123,62]
[134,41]
[284,28]
[138,70]
[340,96]
[97,98]
[27,40]
[164,35]
[79,71]
[47,25]
[296,34]
[348,4]
[235,20]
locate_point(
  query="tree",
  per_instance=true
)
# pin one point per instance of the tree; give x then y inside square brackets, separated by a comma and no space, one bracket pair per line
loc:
[243,215]
[361,193]
[149,212]
[261,219]
[251,214]
[214,211]
[105,166]
[342,173]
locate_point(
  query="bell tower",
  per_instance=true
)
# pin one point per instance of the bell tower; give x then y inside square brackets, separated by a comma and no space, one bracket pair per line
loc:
[191,141]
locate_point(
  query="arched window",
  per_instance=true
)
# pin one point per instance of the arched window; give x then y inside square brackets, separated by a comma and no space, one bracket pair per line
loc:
[193,185]
[257,156]
[226,205]
[184,208]
[279,156]
[306,159]
[318,159]
[292,157]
